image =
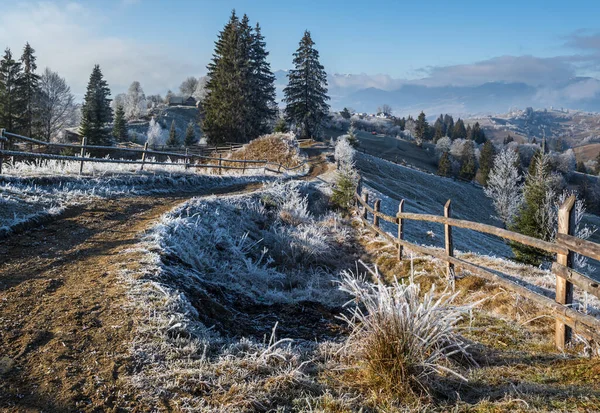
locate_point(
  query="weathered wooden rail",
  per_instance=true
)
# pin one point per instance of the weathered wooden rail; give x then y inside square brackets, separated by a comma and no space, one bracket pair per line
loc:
[187,160]
[567,318]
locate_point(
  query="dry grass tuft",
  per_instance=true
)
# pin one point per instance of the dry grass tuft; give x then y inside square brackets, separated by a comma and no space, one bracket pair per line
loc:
[281,148]
[400,340]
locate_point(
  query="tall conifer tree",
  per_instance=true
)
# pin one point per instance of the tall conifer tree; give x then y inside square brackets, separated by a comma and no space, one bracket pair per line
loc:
[120,125]
[30,89]
[263,106]
[96,113]
[11,85]
[486,162]
[306,92]
[240,100]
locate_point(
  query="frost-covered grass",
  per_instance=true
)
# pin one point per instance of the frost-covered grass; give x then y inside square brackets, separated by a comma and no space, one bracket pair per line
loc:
[53,167]
[211,261]
[401,338]
[26,199]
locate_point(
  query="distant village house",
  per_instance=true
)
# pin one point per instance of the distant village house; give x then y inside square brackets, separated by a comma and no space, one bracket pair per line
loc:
[182,101]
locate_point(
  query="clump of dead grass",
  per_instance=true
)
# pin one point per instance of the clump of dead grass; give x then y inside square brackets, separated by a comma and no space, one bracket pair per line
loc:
[279,148]
[400,340]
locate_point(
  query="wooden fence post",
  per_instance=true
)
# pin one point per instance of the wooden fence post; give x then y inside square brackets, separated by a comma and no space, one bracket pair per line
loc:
[244,166]
[220,161]
[144,156]
[1,147]
[365,210]
[448,238]
[82,154]
[400,230]
[564,289]
[186,158]
[377,208]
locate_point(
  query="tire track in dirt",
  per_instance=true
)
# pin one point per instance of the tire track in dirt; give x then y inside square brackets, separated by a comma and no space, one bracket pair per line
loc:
[64,324]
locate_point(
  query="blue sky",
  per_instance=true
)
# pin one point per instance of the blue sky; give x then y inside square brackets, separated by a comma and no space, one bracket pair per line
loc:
[161,42]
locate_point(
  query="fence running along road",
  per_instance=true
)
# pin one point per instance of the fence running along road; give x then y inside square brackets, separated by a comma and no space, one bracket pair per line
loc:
[567,319]
[190,160]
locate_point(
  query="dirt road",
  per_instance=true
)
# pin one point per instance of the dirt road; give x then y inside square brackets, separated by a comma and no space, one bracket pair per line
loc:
[64,325]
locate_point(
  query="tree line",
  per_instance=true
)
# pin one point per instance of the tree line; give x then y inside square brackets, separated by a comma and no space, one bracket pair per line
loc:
[237,95]
[240,92]
[34,104]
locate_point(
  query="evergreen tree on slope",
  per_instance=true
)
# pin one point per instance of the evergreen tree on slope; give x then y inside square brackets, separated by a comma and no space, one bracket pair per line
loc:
[30,89]
[190,135]
[262,84]
[96,113]
[224,105]
[12,105]
[306,92]
[120,125]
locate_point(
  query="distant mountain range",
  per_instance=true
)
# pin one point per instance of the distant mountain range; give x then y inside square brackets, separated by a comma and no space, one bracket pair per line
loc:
[365,93]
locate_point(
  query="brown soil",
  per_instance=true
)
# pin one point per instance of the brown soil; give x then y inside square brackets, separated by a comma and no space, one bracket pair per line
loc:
[64,323]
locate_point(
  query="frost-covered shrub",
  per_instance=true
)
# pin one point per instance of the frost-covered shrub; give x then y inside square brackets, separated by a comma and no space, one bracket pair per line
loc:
[344,152]
[504,185]
[443,145]
[155,135]
[457,148]
[274,239]
[399,339]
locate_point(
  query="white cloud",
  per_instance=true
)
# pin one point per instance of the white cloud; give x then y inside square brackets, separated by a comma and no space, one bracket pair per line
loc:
[68,39]
[523,69]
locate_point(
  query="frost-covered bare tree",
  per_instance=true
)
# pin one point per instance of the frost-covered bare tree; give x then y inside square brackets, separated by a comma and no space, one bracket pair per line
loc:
[443,145]
[504,185]
[155,135]
[188,86]
[118,100]
[344,152]
[135,103]
[56,104]
[200,90]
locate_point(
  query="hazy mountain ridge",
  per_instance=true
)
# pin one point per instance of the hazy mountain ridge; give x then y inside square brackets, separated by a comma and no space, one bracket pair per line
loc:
[364,93]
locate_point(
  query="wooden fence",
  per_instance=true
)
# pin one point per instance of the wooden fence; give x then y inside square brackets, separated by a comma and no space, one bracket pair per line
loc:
[190,160]
[566,245]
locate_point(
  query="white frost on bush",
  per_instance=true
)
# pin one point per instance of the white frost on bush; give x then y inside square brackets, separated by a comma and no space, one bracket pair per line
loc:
[344,152]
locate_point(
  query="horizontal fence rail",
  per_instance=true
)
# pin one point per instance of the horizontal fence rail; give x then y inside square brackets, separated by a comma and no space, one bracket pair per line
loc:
[186,159]
[567,318]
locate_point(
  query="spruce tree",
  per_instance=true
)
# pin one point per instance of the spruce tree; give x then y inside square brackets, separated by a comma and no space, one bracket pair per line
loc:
[459,131]
[438,127]
[445,165]
[240,99]
[468,167]
[421,127]
[477,134]
[352,138]
[172,141]
[306,92]
[224,104]
[190,135]
[486,162]
[532,218]
[30,89]
[449,125]
[120,125]
[96,113]
[262,84]
[12,104]
[346,113]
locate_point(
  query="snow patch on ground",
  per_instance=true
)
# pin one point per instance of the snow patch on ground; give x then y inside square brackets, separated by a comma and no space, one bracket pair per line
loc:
[26,199]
